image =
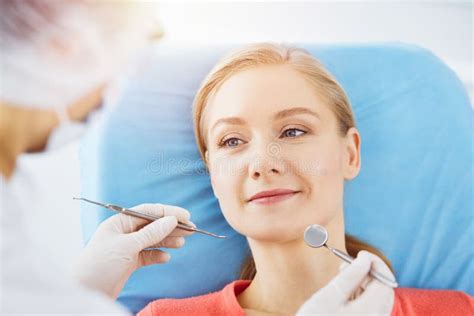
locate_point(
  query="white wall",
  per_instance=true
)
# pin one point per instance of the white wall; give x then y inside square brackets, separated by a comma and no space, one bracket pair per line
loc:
[444,27]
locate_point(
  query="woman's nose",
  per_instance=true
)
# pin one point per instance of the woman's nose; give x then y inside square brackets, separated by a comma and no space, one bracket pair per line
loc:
[266,162]
[257,173]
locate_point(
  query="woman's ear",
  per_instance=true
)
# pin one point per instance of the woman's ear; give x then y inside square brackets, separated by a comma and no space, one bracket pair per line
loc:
[352,159]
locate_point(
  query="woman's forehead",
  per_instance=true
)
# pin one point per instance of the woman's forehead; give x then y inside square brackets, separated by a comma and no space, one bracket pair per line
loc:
[264,91]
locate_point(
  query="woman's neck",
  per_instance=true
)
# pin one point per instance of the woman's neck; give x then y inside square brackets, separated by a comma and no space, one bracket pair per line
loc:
[288,274]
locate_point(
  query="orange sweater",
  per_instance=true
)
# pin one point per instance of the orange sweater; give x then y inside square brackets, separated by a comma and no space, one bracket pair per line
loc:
[407,302]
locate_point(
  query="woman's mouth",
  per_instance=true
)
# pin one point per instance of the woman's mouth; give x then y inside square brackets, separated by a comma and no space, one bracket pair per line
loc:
[272,196]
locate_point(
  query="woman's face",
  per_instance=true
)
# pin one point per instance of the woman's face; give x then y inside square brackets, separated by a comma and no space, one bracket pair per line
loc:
[269,133]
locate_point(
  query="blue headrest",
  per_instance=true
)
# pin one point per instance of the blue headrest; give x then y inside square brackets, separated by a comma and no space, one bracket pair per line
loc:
[412,198]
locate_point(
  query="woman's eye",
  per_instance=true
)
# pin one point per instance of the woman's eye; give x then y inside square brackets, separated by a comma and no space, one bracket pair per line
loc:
[234,142]
[292,132]
[231,142]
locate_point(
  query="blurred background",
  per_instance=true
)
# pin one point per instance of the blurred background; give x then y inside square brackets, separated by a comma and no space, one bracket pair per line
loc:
[444,27]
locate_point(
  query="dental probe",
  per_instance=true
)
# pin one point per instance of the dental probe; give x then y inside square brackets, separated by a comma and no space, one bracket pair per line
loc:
[150,218]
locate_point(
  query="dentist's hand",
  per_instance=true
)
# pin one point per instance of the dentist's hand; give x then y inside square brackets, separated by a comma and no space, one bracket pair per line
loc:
[116,248]
[337,297]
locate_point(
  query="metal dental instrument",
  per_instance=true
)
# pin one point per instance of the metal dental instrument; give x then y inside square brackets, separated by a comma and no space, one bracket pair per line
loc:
[151,218]
[316,236]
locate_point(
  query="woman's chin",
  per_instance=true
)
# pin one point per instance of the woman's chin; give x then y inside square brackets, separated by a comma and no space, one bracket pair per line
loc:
[274,233]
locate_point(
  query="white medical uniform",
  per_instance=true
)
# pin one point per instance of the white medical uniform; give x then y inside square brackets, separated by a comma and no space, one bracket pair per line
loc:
[36,227]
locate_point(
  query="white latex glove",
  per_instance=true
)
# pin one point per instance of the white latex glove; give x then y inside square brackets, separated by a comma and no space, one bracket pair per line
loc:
[337,297]
[116,248]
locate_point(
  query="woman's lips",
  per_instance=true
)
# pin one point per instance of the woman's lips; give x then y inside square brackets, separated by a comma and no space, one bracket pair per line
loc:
[274,196]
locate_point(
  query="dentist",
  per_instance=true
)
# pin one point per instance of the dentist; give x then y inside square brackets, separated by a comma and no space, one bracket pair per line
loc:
[56,57]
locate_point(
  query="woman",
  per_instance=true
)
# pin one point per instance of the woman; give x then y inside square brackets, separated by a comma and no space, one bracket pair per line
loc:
[278,135]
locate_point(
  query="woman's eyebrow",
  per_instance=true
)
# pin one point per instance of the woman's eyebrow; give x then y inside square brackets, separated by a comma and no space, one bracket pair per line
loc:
[278,116]
[229,120]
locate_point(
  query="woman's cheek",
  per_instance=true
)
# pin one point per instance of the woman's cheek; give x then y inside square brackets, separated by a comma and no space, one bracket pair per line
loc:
[219,184]
[217,172]
[230,210]
[328,162]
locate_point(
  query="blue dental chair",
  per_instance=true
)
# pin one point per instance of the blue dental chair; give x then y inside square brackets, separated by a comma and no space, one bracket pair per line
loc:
[413,198]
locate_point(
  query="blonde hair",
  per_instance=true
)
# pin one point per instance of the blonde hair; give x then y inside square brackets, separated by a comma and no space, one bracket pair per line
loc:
[270,54]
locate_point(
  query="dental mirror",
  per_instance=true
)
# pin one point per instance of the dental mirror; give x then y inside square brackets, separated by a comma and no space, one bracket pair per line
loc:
[316,236]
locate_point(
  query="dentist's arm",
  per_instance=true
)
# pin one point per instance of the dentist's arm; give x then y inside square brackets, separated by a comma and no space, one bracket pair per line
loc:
[337,297]
[116,248]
